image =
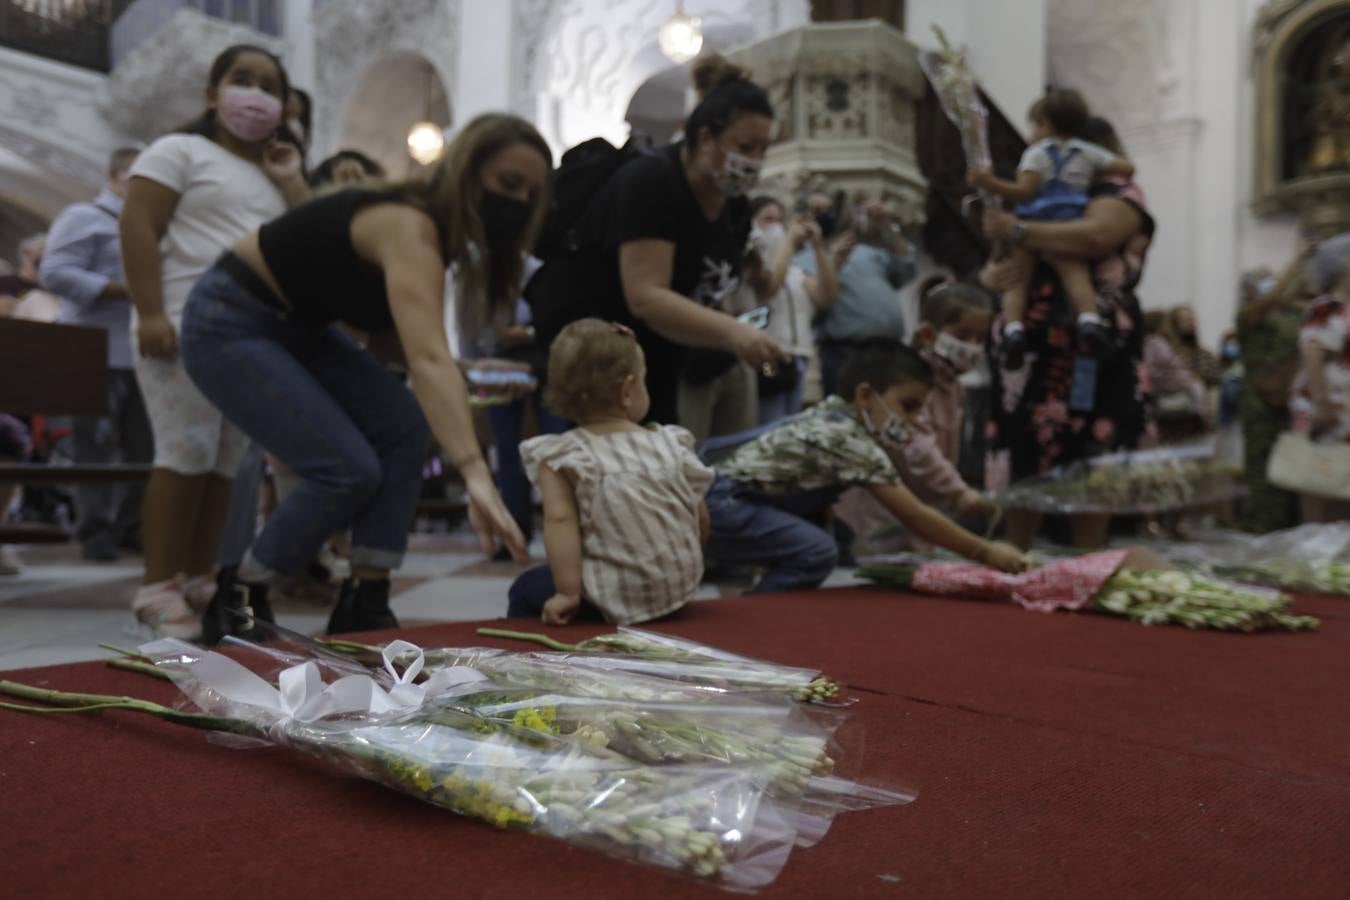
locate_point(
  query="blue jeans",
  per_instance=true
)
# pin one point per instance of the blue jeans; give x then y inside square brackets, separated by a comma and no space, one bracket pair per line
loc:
[532,589]
[747,529]
[241,525]
[508,425]
[323,406]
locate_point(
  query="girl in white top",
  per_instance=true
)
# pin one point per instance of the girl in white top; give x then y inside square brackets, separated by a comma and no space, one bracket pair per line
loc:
[793,298]
[624,518]
[192,195]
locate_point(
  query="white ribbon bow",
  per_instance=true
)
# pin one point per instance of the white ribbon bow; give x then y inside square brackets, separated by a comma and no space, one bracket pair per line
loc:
[300,693]
[407,693]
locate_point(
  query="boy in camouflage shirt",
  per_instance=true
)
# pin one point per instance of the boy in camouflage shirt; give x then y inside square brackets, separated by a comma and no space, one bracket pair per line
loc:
[769,489]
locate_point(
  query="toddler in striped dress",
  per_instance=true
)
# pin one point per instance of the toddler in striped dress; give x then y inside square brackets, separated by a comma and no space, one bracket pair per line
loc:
[624,517]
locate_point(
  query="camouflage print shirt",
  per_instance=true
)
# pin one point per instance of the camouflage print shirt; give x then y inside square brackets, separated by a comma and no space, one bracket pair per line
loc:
[1270,354]
[827,446]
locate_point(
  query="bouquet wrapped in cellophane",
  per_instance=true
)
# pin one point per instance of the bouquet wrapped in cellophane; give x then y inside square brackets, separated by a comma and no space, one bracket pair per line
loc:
[633,651]
[702,781]
[956,90]
[1135,483]
[1310,559]
[1132,584]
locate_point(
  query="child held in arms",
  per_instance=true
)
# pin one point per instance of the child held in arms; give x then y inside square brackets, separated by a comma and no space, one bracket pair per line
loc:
[771,492]
[624,518]
[1052,184]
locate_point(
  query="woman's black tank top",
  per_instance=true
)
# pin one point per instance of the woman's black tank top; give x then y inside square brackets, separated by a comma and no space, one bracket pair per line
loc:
[310,254]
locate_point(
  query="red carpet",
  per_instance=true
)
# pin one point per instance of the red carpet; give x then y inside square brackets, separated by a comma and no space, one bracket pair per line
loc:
[1054,755]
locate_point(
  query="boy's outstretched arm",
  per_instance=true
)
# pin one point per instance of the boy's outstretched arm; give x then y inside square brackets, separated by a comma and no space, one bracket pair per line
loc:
[936,528]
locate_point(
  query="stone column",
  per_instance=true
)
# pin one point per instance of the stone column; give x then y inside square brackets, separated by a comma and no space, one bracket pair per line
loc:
[845,94]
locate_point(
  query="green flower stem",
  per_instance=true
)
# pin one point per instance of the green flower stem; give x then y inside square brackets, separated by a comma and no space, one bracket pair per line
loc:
[350,647]
[141,668]
[130,654]
[531,636]
[75,702]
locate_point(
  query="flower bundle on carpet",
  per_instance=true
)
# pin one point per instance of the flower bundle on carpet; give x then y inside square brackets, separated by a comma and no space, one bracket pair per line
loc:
[671,772]
[1115,582]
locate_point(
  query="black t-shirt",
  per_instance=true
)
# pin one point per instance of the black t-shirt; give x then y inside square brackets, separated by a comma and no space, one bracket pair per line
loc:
[649,198]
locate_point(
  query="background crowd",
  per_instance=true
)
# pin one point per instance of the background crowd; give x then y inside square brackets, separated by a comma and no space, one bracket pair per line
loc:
[762,328]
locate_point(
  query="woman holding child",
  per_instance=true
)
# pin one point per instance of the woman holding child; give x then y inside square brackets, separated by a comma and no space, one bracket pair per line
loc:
[1066,405]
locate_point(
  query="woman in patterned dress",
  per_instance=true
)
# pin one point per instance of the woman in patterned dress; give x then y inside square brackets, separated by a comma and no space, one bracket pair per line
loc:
[1062,407]
[1319,405]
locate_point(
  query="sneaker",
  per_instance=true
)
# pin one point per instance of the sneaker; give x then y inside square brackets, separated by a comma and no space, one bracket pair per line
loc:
[1015,350]
[363,605]
[163,608]
[1094,337]
[235,610]
[9,561]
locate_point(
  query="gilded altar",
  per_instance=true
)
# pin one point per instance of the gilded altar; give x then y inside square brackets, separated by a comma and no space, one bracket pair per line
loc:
[1301,67]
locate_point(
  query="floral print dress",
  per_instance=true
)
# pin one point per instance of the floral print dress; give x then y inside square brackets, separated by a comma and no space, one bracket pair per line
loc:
[1327,328]
[1039,420]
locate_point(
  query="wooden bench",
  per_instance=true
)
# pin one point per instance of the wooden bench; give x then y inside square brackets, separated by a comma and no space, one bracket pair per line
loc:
[38,473]
[51,370]
[54,370]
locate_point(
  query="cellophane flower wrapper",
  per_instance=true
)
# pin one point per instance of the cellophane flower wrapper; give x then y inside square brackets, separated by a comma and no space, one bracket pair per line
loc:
[598,682]
[1311,559]
[712,821]
[958,94]
[664,659]
[680,659]
[790,748]
[1142,482]
[793,752]
[718,786]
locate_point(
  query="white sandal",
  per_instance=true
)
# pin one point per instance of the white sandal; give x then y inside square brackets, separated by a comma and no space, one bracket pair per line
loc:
[198,591]
[162,608]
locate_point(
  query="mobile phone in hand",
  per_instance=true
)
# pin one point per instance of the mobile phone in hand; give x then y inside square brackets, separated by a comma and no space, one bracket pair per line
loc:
[757,317]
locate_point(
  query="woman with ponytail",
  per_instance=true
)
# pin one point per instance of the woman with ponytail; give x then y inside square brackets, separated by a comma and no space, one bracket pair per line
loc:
[669,233]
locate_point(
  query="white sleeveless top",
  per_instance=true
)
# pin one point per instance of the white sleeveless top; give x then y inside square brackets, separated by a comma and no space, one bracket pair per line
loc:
[638,496]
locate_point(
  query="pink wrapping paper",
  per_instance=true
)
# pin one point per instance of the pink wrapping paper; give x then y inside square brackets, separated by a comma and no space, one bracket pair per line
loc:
[1066,584]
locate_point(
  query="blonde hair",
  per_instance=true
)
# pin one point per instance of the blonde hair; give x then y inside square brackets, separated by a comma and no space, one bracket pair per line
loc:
[587,365]
[450,194]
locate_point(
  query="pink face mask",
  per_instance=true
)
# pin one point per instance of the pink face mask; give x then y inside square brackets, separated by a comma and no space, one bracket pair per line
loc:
[249,113]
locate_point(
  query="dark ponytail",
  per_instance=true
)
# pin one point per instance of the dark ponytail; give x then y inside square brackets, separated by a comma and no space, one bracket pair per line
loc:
[724,89]
[205,124]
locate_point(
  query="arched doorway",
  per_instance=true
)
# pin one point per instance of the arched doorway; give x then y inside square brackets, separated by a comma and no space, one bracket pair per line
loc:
[394,93]
[658,106]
